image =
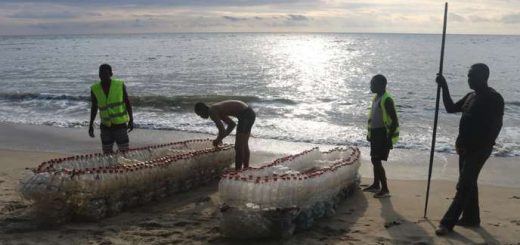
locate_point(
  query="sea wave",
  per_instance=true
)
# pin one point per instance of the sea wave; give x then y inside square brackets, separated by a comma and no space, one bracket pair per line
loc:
[189,100]
[41,96]
[513,103]
[155,101]
[502,149]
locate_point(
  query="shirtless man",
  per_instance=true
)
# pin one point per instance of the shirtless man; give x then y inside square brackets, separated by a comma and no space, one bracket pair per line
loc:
[220,112]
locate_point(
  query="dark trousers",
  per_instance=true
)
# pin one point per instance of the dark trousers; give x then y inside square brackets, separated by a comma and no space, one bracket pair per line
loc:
[466,198]
[118,135]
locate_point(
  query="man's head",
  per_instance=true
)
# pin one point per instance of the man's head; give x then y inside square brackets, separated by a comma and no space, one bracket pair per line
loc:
[105,72]
[478,76]
[202,110]
[378,84]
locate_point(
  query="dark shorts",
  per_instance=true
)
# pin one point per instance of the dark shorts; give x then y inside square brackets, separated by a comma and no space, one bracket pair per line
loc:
[117,134]
[246,119]
[379,147]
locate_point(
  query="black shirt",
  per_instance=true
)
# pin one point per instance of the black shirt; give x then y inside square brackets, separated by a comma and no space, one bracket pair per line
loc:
[481,119]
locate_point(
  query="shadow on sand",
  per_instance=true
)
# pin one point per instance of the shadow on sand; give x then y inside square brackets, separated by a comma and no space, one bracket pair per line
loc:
[338,227]
[401,230]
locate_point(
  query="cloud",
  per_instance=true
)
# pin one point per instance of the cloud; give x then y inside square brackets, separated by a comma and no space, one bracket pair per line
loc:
[476,18]
[234,19]
[169,3]
[511,19]
[86,27]
[456,17]
[50,14]
[297,17]
[138,16]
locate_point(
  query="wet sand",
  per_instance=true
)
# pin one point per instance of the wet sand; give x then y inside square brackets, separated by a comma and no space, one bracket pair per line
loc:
[193,217]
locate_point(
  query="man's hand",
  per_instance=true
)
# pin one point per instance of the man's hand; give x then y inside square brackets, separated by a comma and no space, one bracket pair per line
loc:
[441,81]
[216,143]
[130,126]
[459,150]
[91,131]
[389,143]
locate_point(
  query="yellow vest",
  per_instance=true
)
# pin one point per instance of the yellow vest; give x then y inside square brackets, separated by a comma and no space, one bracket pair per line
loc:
[387,120]
[112,108]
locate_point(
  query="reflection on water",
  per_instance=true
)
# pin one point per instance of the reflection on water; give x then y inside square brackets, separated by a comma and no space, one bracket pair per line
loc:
[304,87]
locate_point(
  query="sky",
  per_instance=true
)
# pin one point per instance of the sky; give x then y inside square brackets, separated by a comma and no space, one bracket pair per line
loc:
[37,17]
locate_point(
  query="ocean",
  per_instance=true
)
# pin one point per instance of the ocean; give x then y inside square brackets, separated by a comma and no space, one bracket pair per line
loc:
[304,87]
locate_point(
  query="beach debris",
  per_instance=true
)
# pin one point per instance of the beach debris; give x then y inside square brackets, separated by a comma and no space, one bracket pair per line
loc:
[93,186]
[14,205]
[288,194]
[495,224]
[393,223]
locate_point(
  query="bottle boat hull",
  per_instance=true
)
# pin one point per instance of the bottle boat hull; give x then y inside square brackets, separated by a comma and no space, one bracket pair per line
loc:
[96,185]
[287,194]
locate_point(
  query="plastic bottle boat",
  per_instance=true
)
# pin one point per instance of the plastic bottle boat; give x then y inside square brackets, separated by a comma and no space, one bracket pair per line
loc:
[288,193]
[94,185]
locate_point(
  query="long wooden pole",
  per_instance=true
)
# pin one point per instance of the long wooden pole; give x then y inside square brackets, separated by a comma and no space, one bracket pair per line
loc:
[432,152]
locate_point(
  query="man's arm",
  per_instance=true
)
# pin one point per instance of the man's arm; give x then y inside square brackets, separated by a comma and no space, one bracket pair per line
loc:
[446,97]
[128,109]
[222,132]
[230,125]
[93,113]
[496,119]
[389,106]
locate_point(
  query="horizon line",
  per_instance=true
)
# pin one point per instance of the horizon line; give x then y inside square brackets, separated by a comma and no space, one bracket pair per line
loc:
[255,32]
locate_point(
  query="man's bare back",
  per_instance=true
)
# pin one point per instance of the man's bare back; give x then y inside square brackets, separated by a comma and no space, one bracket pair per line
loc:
[227,108]
[219,113]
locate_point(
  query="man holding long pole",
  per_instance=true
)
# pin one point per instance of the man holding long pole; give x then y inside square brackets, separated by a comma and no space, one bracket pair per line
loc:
[432,150]
[480,124]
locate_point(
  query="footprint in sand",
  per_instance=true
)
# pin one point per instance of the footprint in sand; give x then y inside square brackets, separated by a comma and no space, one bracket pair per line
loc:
[12,206]
[151,224]
[185,223]
[327,230]
[215,229]
[204,199]
[393,223]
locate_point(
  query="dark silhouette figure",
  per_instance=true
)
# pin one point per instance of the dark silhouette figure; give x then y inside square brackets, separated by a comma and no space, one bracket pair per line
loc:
[480,124]
[110,98]
[220,112]
[383,132]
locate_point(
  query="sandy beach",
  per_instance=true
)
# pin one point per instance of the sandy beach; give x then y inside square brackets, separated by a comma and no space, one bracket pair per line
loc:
[193,217]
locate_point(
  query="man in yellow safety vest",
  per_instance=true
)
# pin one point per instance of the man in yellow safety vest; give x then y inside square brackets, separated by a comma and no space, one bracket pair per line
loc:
[110,97]
[383,133]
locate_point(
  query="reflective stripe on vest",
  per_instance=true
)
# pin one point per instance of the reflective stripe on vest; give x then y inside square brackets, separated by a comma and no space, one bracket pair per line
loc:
[387,120]
[112,108]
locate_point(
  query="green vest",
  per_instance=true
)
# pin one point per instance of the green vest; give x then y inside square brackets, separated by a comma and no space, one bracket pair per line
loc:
[112,108]
[387,120]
